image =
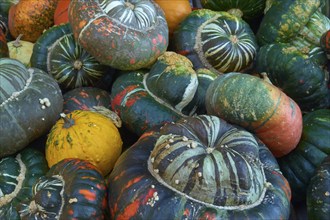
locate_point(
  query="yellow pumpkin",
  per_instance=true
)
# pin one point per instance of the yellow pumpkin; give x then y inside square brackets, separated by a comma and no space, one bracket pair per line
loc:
[85,135]
[21,50]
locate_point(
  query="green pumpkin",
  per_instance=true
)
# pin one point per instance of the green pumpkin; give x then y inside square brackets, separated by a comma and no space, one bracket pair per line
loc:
[318,193]
[30,104]
[296,74]
[197,168]
[299,165]
[17,175]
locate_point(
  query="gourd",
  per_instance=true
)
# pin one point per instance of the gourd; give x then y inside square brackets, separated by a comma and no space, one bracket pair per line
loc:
[71,189]
[215,40]
[20,50]
[258,106]
[57,53]
[197,168]
[4,52]
[30,104]
[61,12]
[325,43]
[18,174]
[135,30]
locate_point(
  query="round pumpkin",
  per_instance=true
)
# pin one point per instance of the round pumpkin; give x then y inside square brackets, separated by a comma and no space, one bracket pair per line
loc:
[258,106]
[84,135]
[61,12]
[21,50]
[198,168]
[30,104]
[134,31]
[71,189]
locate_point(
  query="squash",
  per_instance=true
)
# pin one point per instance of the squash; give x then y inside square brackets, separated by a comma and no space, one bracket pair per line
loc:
[30,18]
[20,50]
[218,41]
[325,43]
[30,104]
[18,174]
[61,12]
[135,30]
[299,165]
[57,53]
[258,106]
[318,193]
[5,6]
[198,168]
[308,87]
[71,189]
[84,135]
[4,52]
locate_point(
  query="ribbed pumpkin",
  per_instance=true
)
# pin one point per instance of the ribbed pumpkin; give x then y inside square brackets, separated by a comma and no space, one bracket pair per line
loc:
[258,106]
[299,165]
[198,168]
[71,189]
[30,104]
[134,32]
[21,50]
[216,40]
[18,173]
[84,135]
[61,12]
[4,52]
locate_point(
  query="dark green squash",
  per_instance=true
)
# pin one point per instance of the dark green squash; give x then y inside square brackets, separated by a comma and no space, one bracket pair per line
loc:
[216,40]
[318,192]
[296,74]
[299,165]
[71,189]
[17,176]
[5,5]
[30,104]
[57,53]
[198,168]
[127,35]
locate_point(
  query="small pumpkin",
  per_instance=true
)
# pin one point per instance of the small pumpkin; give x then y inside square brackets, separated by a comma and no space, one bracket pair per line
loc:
[61,12]
[84,135]
[258,106]
[4,52]
[30,104]
[71,189]
[21,50]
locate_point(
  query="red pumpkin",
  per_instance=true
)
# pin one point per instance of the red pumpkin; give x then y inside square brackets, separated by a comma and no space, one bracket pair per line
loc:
[61,12]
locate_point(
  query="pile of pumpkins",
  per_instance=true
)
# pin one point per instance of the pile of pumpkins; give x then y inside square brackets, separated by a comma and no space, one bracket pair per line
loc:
[164,109]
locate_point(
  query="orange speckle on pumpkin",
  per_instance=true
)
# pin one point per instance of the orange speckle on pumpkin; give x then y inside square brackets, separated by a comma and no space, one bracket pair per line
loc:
[82,24]
[130,210]
[132,61]
[88,194]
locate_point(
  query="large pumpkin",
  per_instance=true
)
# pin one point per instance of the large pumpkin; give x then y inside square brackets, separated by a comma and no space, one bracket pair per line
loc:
[258,106]
[30,104]
[61,12]
[198,168]
[134,32]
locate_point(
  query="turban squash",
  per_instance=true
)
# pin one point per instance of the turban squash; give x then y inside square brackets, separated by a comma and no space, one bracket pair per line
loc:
[197,168]
[4,52]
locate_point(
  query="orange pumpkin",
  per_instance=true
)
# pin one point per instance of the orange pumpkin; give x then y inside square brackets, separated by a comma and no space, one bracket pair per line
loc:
[61,12]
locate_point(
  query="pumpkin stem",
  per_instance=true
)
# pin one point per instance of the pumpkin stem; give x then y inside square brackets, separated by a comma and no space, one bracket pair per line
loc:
[236,12]
[77,64]
[17,42]
[130,5]
[68,122]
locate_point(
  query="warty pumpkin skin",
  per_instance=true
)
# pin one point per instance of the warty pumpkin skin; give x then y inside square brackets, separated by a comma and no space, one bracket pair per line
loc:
[71,189]
[30,104]
[134,32]
[258,106]
[198,168]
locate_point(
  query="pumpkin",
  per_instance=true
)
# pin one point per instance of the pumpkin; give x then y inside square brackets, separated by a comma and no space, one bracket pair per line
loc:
[216,40]
[325,43]
[135,30]
[61,12]
[20,50]
[198,168]
[30,104]
[71,189]
[57,53]
[85,135]
[258,106]
[5,6]
[165,93]
[18,174]
[4,52]
[299,165]
[30,18]
[307,87]
[318,193]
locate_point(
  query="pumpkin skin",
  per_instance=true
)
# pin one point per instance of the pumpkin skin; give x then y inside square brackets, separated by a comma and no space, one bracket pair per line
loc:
[61,12]
[318,200]
[299,165]
[17,176]
[197,168]
[325,43]
[4,52]
[31,102]
[308,87]
[85,135]
[71,189]
[136,31]
[258,106]
[20,50]
[216,40]
[30,18]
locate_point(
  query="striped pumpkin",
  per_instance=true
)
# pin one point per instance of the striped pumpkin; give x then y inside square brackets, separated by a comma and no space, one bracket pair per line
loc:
[196,168]
[134,32]
[71,189]
[30,104]
[4,52]
[216,40]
